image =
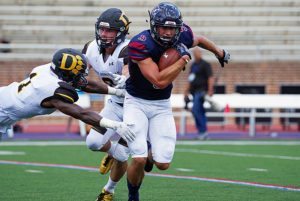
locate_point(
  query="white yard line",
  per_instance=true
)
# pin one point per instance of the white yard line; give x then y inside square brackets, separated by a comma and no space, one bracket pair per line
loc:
[224,153]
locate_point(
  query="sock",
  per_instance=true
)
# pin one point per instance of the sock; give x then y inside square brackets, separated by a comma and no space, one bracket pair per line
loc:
[111,149]
[133,194]
[110,185]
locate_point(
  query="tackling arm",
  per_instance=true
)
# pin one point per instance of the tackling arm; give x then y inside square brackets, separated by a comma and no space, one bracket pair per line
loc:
[100,87]
[73,110]
[90,117]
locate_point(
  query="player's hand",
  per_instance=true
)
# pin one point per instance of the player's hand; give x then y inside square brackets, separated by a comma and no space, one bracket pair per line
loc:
[124,131]
[119,80]
[120,92]
[225,58]
[121,128]
[182,50]
[109,77]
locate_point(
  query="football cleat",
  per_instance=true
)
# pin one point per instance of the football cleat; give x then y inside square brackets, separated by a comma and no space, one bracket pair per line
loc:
[105,196]
[106,164]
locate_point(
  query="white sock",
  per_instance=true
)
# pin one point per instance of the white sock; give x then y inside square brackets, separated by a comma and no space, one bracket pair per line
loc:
[111,149]
[110,185]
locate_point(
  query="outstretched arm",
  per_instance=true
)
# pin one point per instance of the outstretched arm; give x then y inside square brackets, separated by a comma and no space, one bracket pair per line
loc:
[222,55]
[100,87]
[90,117]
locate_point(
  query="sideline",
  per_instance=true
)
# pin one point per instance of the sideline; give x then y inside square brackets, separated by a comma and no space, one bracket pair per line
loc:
[215,180]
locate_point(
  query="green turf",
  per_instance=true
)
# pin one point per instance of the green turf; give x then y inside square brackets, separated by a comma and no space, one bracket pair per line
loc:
[52,183]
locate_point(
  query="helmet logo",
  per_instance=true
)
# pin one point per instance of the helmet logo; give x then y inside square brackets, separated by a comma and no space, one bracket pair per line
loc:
[170,23]
[71,63]
[124,19]
[104,24]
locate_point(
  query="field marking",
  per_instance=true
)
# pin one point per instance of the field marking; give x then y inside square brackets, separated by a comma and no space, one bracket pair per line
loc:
[224,153]
[184,170]
[194,178]
[75,143]
[34,171]
[5,153]
[258,169]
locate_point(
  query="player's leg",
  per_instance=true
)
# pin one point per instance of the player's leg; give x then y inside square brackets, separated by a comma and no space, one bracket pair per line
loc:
[134,113]
[5,123]
[118,169]
[199,113]
[116,153]
[162,134]
[149,163]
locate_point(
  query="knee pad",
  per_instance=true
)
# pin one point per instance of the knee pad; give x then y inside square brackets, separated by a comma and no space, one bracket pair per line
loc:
[95,141]
[121,152]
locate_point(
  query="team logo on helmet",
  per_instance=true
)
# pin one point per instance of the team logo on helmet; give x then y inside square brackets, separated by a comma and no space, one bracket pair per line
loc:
[72,63]
[71,66]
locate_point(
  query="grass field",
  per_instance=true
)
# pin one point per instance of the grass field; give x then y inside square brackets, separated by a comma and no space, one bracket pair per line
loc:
[210,171]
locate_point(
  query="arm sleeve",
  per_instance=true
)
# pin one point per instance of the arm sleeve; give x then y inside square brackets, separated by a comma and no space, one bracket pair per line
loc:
[85,47]
[124,55]
[66,93]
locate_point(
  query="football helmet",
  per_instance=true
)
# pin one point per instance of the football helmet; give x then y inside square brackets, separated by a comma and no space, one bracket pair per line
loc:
[70,66]
[112,18]
[165,14]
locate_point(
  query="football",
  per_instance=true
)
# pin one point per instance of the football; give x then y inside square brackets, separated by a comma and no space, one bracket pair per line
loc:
[169,57]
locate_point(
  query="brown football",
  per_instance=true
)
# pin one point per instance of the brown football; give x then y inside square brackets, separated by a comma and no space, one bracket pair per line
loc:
[169,57]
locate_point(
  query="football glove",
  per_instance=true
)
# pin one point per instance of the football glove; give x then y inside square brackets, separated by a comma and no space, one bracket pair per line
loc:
[182,50]
[108,78]
[121,128]
[117,92]
[225,58]
[119,80]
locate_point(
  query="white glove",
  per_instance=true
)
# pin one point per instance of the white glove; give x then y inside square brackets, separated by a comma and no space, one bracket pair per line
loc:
[120,81]
[117,92]
[108,78]
[215,106]
[120,127]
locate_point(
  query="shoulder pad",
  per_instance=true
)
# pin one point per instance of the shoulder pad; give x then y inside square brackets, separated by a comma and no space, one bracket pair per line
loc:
[66,93]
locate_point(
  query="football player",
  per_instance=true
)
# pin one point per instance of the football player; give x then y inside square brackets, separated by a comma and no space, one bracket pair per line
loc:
[53,87]
[147,101]
[107,56]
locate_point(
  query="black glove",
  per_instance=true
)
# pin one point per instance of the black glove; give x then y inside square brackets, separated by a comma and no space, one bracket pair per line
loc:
[225,58]
[182,50]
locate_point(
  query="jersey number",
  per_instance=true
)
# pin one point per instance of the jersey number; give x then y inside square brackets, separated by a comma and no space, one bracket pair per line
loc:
[22,85]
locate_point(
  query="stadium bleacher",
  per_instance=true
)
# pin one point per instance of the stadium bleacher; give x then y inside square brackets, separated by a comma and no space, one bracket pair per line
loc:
[269,28]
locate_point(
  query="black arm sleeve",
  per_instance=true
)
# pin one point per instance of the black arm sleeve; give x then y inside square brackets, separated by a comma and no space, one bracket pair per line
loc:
[124,54]
[66,93]
[83,51]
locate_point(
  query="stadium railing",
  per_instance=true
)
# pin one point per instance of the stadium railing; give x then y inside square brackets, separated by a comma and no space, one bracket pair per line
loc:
[241,101]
